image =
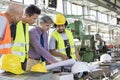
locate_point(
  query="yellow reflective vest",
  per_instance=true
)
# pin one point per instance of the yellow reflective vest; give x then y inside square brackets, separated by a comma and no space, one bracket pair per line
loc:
[20,45]
[5,43]
[60,43]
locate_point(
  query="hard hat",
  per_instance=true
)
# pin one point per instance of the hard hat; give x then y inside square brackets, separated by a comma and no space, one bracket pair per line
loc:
[39,68]
[11,63]
[105,58]
[59,19]
[80,67]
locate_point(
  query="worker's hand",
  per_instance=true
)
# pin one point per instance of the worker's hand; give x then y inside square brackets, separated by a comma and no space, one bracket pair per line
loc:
[56,61]
[64,57]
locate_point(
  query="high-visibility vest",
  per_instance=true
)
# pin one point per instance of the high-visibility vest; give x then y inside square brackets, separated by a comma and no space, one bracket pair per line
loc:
[20,45]
[5,43]
[60,43]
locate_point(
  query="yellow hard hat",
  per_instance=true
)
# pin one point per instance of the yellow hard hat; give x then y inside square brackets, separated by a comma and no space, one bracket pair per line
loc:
[11,63]
[39,68]
[59,19]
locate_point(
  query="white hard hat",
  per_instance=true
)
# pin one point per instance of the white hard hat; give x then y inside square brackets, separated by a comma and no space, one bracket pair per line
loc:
[105,58]
[80,67]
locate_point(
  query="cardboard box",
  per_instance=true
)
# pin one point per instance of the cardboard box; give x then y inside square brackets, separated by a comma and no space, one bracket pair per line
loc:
[63,76]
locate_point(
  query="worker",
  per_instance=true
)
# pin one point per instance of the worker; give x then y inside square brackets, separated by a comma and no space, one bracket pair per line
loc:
[12,15]
[38,50]
[20,33]
[61,42]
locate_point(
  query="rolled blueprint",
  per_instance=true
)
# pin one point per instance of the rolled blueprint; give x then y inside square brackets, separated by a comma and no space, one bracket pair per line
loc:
[61,63]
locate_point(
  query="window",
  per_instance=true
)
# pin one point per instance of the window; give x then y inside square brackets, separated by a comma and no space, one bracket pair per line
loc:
[69,8]
[102,17]
[60,6]
[18,1]
[52,3]
[86,12]
[74,9]
[92,15]
[79,10]
[27,2]
[7,0]
[114,21]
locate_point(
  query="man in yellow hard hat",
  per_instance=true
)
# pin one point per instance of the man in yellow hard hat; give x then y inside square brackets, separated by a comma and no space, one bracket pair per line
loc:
[61,43]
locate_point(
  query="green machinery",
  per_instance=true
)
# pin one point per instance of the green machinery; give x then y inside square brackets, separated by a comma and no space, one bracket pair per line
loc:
[86,49]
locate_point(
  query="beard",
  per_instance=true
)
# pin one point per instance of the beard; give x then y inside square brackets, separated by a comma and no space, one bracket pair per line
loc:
[61,31]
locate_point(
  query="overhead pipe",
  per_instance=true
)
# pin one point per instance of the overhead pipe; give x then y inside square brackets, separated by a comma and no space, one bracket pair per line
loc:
[100,3]
[114,4]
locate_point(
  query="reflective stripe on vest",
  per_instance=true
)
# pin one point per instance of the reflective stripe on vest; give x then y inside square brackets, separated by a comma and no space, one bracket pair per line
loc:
[63,50]
[60,41]
[18,53]
[5,46]
[20,45]
[5,43]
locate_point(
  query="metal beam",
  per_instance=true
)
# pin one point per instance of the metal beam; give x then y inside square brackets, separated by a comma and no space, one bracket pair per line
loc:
[99,3]
[113,4]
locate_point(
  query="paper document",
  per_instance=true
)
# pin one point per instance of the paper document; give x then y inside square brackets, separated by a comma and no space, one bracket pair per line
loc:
[61,63]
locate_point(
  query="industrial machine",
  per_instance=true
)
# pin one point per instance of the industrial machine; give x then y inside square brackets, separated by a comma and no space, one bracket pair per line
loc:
[86,49]
[100,46]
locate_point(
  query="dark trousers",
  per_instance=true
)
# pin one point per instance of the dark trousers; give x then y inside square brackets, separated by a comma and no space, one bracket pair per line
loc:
[24,64]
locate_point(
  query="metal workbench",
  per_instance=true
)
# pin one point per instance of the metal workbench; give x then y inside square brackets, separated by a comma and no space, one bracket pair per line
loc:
[26,76]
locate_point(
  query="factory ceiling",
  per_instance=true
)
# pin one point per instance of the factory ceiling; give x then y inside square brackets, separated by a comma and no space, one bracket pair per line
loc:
[111,7]
[106,6]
